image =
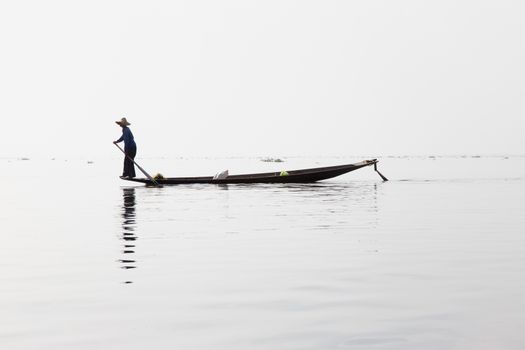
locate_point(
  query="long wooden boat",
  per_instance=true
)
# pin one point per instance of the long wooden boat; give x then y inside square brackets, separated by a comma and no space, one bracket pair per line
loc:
[289,176]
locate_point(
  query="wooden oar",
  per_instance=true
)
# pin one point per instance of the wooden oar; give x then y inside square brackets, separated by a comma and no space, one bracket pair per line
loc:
[138,166]
[375,168]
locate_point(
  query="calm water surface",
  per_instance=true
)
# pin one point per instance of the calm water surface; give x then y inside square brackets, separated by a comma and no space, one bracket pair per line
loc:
[433,259]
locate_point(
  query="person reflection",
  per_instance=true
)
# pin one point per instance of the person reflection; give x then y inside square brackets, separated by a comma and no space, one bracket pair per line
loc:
[128,228]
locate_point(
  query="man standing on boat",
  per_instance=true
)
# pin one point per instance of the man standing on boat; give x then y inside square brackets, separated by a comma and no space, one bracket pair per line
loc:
[130,148]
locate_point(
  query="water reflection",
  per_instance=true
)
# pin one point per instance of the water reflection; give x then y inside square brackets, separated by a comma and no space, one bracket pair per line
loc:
[128,229]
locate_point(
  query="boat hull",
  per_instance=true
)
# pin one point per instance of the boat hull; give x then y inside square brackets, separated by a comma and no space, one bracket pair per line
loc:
[291,176]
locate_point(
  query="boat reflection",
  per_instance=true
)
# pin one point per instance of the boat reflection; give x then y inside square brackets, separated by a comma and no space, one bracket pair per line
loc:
[128,229]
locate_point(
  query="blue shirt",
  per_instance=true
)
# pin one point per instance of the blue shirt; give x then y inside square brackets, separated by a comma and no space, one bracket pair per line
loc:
[127,137]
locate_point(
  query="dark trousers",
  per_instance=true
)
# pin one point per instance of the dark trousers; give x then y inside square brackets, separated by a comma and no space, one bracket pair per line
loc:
[129,167]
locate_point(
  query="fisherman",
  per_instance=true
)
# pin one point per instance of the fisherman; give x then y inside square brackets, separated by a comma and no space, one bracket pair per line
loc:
[130,148]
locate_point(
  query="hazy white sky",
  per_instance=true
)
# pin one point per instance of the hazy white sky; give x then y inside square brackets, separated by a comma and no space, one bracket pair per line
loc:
[262,77]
